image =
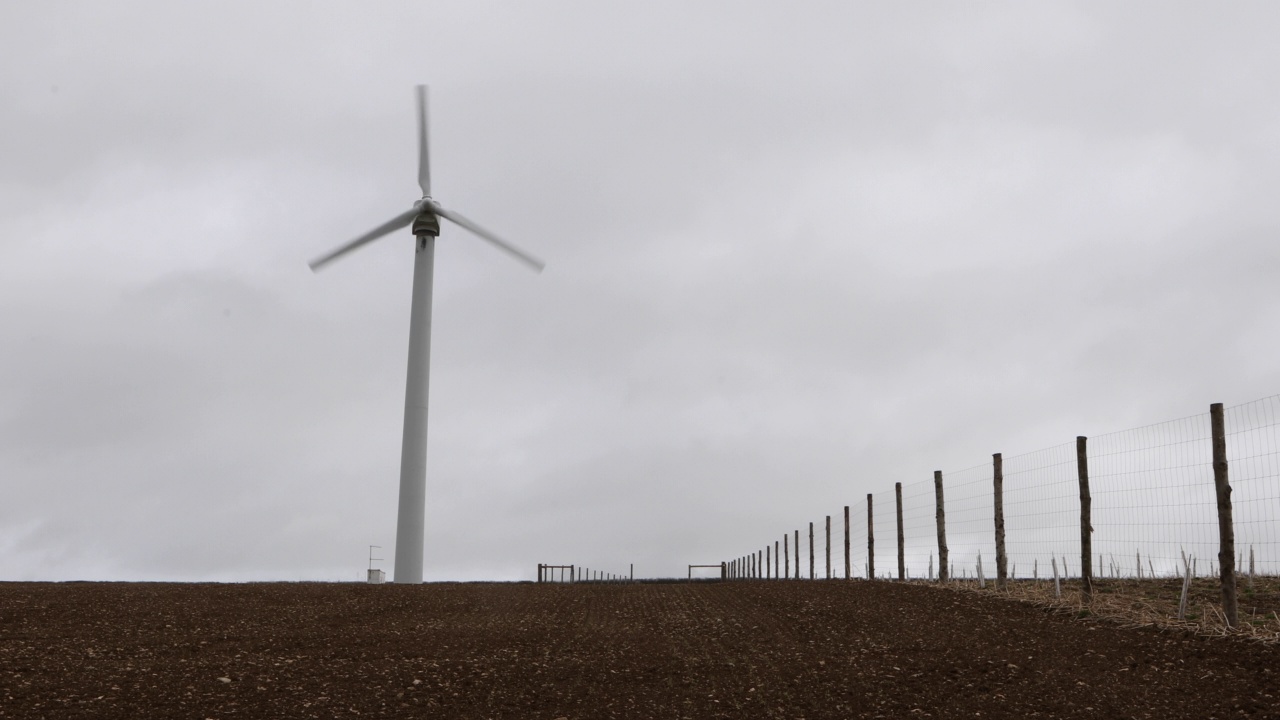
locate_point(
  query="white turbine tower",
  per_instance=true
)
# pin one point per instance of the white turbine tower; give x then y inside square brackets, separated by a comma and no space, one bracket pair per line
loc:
[424,216]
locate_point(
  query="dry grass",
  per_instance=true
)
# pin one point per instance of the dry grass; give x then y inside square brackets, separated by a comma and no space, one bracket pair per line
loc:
[1154,603]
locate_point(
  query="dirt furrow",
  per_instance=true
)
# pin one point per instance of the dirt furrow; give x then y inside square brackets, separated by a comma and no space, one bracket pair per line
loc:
[765,649]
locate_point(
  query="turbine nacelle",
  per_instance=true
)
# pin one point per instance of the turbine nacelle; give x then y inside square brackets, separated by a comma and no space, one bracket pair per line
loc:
[427,221]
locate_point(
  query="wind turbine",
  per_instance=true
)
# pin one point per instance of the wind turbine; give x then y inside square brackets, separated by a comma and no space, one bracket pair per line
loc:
[424,215]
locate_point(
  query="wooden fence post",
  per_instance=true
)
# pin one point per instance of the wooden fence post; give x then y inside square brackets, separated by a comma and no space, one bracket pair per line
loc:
[786,556]
[871,543]
[828,547]
[940,515]
[723,571]
[573,573]
[777,560]
[1226,528]
[797,554]
[1086,526]
[846,542]
[811,573]
[1002,560]
[768,561]
[902,551]
[539,572]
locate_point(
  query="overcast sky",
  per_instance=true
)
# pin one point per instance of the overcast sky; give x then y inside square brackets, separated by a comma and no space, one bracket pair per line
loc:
[795,252]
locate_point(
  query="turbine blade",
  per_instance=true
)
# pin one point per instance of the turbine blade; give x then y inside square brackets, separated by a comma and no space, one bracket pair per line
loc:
[514,251]
[399,221]
[424,166]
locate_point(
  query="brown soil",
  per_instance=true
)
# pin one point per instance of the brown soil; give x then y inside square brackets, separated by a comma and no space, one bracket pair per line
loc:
[763,649]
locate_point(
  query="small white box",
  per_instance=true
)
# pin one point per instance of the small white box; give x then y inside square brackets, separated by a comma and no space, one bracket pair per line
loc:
[377,577]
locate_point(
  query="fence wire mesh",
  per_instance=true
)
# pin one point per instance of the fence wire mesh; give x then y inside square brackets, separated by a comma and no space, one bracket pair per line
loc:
[1253,455]
[1042,512]
[1154,496]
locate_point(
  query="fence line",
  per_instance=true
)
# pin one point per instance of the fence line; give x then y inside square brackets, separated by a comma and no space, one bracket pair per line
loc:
[579,574]
[1138,501]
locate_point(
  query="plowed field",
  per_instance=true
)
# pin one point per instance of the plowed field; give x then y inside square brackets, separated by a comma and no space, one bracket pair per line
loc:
[765,649]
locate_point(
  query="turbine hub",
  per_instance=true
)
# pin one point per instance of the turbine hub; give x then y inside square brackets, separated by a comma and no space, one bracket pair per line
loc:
[426,223]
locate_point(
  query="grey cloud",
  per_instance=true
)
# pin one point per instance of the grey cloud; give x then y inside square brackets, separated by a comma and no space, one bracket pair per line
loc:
[795,255]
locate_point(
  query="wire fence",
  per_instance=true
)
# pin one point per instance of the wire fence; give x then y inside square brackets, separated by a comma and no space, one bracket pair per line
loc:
[1153,503]
[574,574]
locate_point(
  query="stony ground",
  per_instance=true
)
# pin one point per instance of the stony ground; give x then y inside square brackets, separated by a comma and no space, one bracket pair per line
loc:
[764,649]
